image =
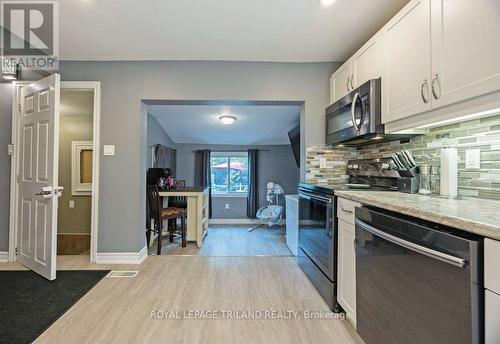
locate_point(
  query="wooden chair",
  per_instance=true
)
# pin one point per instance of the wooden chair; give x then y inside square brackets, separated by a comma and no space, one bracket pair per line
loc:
[178,201]
[160,214]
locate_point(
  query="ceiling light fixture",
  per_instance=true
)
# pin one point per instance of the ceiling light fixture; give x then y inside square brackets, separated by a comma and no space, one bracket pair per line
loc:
[227,120]
[327,2]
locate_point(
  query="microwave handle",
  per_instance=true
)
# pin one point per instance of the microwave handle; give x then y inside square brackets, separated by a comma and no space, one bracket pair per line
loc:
[353,108]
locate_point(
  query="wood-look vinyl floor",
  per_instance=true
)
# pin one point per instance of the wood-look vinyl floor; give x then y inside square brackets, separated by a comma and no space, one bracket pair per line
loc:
[118,310]
[231,241]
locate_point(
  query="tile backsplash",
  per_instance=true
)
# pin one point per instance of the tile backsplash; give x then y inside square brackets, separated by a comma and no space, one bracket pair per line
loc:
[482,134]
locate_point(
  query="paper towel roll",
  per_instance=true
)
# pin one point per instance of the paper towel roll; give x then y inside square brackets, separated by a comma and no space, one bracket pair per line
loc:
[449,172]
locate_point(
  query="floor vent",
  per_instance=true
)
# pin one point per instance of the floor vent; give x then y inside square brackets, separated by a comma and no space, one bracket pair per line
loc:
[122,274]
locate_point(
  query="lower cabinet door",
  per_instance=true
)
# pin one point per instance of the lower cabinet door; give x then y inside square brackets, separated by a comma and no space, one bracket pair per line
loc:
[347,270]
[492,317]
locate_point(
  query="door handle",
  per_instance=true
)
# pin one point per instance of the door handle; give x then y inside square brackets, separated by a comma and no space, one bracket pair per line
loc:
[446,258]
[435,80]
[352,85]
[345,210]
[46,192]
[422,85]
[347,83]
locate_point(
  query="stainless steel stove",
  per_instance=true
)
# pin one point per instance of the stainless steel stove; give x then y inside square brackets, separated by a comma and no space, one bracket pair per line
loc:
[318,221]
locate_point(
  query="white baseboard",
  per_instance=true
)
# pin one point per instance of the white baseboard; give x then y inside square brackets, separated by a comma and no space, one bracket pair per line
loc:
[239,222]
[4,257]
[122,257]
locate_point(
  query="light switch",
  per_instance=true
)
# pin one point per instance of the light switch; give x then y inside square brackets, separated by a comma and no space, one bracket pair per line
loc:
[227,205]
[473,159]
[10,149]
[72,204]
[322,163]
[109,150]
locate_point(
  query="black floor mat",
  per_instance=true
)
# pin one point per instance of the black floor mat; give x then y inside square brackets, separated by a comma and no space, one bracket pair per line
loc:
[29,303]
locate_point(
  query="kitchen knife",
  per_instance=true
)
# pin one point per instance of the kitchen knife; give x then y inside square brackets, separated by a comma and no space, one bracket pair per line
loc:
[410,158]
[403,160]
[398,163]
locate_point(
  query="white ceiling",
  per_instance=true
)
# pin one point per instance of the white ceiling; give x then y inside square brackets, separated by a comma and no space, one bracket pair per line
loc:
[76,102]
[233,30]
[255,124]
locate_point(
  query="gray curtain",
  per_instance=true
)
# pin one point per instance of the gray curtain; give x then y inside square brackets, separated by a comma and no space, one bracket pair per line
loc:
[202,175]
[165,157]
[253,183]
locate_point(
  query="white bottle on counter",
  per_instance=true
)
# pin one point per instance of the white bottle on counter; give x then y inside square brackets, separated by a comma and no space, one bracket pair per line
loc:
[449,172]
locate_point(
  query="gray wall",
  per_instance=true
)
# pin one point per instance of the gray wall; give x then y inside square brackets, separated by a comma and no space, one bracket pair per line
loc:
[124,121]
[5,138]
[156,135]
[276,163]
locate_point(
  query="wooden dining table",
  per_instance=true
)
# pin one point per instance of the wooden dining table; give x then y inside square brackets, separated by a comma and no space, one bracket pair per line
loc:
[197,210]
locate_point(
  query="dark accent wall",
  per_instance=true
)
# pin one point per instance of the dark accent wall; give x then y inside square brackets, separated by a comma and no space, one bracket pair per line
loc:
[5,138]
[276,163]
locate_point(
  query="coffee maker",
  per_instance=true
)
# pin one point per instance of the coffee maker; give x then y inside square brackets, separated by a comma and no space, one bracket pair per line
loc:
[158,177]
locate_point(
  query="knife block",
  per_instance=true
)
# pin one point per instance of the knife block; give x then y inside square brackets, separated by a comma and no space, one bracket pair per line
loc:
[409,181]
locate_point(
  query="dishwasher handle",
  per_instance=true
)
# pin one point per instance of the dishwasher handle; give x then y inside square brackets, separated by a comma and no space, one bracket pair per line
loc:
[446,258]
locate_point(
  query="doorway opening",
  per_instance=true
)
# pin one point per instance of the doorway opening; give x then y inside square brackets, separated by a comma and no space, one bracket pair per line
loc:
[75,172]
[236,150]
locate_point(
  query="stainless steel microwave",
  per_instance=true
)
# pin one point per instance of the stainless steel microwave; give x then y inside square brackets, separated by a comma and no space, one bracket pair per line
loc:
[355,119]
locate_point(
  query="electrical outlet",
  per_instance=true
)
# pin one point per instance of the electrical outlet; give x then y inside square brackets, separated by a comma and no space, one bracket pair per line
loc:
[322,163]
[473,159]
[72,204]
[227,205]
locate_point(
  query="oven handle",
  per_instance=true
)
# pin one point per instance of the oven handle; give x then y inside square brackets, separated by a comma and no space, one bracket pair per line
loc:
[315,197]
[446,258]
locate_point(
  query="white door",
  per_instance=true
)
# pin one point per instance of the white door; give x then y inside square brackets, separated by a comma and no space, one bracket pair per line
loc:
[340,83]
[465,49]
[406,88]
[367,62]
[38,176]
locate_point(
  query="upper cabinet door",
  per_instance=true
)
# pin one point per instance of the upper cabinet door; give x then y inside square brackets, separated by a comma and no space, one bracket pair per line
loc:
[406,84]
[367,62]
[465,49]
[341,82]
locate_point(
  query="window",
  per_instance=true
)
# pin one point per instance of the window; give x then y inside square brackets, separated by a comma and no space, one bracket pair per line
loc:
[81,167]
[229,173]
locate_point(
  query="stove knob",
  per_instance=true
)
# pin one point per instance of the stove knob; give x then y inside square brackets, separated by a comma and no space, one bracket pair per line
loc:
[385,166]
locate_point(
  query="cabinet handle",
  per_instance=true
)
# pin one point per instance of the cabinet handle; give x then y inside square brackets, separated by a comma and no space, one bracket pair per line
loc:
[345,210]
[347,83]
[352,85]
[435,80]
[424,84]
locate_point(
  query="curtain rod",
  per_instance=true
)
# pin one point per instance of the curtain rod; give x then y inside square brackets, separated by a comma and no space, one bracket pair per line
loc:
[230,150]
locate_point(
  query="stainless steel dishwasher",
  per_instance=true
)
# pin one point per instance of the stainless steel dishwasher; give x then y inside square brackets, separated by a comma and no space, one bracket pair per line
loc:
[416,282]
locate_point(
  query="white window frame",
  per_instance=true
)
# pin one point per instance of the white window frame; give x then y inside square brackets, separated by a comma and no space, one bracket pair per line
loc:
[78,188]
[242,154]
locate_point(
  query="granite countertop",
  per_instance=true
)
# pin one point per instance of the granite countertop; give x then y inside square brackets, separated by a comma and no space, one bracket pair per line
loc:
[474,215]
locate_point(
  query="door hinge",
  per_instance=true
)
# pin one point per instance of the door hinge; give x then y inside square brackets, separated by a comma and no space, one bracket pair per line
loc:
[18,178]
[17,251]
[19,107]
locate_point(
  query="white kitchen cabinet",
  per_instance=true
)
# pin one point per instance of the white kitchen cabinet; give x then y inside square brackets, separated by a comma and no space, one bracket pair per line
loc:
[346,266]
[492,318]
[407,77]
[292,223]
[491,260]
[341,81]
[346,286]
[367,61]
[465,49]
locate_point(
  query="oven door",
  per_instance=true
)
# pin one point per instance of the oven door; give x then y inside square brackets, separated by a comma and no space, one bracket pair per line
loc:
[317,232]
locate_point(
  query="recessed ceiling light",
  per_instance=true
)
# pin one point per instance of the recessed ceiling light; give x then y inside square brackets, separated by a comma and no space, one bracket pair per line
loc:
[327,2]
[227,120]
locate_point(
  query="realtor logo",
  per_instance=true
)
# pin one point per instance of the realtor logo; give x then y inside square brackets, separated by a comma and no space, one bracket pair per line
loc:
[29,36]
